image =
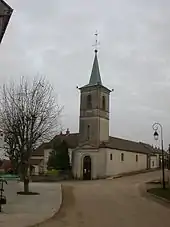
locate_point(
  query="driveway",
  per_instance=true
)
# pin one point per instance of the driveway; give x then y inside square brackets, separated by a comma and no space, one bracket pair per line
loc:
[109,203]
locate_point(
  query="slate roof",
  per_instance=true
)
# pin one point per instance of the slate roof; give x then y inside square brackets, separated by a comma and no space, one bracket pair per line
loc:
[71,139]
[95,74]
[125,145]
[40,150]
[113,143]
[152,149]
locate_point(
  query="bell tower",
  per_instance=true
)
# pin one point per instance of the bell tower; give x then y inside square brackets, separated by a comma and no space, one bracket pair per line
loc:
[94,108]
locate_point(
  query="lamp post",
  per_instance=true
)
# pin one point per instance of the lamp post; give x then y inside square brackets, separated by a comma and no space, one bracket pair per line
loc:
[155,127]
[169,157]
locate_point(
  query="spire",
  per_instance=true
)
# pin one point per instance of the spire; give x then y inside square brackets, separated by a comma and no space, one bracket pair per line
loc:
[95,74]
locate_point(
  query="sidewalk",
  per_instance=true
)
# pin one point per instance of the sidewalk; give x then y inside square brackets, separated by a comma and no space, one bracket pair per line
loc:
[25,211]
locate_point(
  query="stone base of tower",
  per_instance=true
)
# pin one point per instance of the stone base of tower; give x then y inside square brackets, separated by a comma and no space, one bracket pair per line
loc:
[88,163]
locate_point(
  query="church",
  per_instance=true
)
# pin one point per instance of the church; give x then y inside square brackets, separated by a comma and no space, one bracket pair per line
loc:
[94,154]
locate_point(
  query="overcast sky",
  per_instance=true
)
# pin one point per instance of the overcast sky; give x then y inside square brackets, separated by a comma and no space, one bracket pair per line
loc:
[55,38]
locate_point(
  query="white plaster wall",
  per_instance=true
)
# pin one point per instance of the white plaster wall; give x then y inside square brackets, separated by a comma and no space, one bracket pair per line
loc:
[104,129]
[98,166]
[157,157]
[36,170]
[70,155]
[116,166]
[46,156]
[76,164]
[154,162]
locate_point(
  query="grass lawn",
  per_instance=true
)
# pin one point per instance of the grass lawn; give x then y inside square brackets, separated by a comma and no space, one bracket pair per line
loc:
[164,193]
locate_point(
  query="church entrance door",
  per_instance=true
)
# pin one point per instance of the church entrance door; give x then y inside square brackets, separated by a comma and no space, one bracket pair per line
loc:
[87,168]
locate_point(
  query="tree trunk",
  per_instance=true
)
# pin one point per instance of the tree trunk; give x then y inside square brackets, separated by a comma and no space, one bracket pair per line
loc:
[26,184]
[25,177]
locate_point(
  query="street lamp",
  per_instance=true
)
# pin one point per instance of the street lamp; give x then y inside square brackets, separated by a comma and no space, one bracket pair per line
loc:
[155,127]
[169,157]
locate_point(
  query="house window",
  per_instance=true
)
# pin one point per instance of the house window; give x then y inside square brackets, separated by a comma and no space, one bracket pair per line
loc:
[103,103]
[111,157]
[88,132]
[153,163]
[136,158]
[89,101]
[122,157]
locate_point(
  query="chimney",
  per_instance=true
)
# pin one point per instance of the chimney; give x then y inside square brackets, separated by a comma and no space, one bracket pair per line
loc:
[67,132]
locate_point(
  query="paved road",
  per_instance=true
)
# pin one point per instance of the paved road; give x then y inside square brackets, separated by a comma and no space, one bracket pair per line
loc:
[23,211]
[110,203]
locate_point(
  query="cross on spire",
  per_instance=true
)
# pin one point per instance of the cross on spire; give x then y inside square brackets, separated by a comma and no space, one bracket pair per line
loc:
[96,42]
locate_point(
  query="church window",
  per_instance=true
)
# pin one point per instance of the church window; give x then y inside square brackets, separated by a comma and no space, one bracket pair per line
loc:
[103,103]
[153,163]
[111,157]
[89,102]
[136,158]
[122,157]
[88,132]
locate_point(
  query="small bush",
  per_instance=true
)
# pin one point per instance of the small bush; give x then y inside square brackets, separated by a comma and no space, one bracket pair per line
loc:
[53,172]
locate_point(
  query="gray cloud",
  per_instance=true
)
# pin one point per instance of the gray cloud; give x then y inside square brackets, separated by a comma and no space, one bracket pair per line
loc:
[55,38]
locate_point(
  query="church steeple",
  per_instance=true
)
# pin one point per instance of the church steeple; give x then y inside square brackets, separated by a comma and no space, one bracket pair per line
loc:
[95,74]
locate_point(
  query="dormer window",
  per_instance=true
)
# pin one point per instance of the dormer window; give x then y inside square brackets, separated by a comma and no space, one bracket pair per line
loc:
[89,101]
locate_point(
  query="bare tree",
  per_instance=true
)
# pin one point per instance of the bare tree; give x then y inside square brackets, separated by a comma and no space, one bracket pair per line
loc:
[29,115]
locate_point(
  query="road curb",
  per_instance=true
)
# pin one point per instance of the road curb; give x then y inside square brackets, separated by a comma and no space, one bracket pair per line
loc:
[144,193]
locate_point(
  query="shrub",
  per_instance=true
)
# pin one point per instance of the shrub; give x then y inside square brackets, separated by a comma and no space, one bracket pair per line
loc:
[53,172]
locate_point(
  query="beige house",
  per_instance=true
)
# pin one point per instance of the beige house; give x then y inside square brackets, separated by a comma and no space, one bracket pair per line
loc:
[93,153]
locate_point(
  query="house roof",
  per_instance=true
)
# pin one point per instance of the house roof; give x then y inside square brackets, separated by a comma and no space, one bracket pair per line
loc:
[126,145]
[71,140]
[35,161]
[114,143]
[40,150]
[153,150]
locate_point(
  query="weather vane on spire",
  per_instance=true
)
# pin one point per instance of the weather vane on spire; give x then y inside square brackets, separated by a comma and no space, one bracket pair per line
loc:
[96,42]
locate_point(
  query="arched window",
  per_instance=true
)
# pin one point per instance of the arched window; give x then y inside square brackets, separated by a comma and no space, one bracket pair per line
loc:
[103,102]
[89,102]
[122,157]
[88,132]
